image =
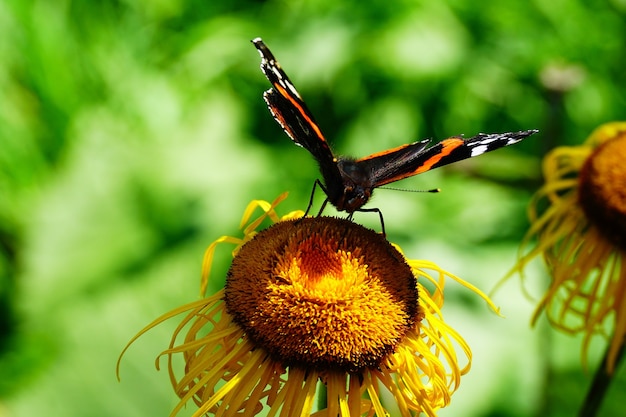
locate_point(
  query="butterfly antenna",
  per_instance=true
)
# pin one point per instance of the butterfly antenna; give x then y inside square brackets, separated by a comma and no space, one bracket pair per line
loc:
[434,190]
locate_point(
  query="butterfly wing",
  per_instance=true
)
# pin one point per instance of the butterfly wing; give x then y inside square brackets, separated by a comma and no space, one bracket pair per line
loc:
[408,160]
[290,111]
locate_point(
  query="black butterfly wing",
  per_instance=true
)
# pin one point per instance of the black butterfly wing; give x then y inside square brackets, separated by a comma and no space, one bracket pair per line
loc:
[290,111]
[299,129]
[408,160]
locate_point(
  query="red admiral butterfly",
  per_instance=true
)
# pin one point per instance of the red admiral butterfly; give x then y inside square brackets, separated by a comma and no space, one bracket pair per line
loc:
[349,183]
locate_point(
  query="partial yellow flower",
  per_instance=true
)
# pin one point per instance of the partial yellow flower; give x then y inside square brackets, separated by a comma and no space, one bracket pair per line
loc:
[578,219]
[312,302]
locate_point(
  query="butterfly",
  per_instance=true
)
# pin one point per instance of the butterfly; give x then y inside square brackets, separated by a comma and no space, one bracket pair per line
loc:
[348,182]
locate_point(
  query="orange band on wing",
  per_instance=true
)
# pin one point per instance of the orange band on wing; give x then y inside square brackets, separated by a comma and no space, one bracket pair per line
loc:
[385,152]
[285,94]
[448,146]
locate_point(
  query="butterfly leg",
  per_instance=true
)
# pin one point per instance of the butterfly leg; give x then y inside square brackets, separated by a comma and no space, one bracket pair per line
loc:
[319,213]
[308,208]
[380,215]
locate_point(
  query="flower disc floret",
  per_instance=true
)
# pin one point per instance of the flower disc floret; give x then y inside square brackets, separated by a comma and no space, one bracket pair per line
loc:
[602,189]
[322,293]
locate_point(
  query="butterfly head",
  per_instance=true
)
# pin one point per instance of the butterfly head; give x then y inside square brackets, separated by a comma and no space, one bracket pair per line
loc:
[354,198]
[354,190]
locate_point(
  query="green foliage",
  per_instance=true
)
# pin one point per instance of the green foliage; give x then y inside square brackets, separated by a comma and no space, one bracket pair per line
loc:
[132,134]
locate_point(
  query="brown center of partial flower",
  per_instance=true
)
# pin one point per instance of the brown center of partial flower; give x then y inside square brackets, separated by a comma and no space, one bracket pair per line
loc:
[602,190]
[322,293]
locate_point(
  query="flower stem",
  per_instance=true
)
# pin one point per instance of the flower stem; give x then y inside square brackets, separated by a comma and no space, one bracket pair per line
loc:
[600,385]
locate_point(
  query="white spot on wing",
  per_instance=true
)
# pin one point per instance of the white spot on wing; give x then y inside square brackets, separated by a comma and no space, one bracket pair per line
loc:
[292,89]
[479,150]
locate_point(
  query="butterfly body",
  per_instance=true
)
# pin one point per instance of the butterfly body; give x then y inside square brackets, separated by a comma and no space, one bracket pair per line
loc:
[355,188]
[349,183]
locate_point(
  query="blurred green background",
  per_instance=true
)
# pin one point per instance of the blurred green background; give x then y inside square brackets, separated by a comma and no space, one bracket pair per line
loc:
[133,134]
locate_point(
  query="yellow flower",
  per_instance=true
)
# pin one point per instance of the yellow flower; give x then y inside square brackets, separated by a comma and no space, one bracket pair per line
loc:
[578,218]
[313,303]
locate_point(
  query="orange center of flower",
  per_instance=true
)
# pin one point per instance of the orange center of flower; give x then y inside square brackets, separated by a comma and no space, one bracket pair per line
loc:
[602,189]
[322,293]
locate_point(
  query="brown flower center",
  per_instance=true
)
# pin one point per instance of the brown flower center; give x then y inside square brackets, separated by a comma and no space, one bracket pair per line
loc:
[322,293]
[602,190]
